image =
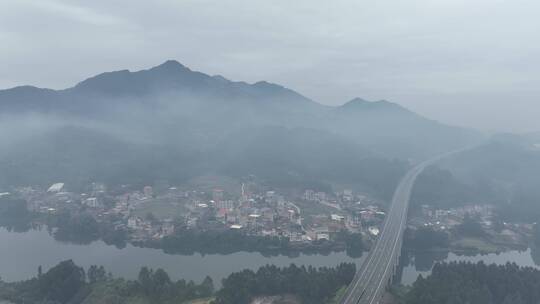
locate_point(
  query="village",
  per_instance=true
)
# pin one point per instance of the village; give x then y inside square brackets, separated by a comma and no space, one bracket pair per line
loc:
[149,214]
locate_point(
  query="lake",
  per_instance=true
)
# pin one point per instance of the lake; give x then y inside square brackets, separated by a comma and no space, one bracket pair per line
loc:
[22,253]
[417,263]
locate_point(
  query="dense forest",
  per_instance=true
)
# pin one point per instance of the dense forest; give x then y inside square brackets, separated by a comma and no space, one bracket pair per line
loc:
[69,283]
[462,283]
[311,285]
[440,188]
[504,172]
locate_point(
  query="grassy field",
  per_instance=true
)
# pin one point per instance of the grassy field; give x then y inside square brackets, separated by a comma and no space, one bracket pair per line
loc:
[160,208]
[476,244]
[314,208]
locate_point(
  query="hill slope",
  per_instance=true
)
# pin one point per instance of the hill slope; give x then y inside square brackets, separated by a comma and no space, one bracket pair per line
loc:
[136,124]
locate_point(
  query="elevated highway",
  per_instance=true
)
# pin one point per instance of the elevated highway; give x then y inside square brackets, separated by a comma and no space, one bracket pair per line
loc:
[377,270]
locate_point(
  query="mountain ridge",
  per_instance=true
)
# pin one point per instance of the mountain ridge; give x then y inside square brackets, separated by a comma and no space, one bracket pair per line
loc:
[173,75]
[172,95]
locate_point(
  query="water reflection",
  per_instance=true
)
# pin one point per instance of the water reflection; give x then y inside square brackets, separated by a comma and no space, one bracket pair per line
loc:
[535,254]
[414,263]
[23,253]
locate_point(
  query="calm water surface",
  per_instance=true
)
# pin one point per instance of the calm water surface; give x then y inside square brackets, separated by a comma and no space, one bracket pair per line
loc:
[22,253]
[422,263]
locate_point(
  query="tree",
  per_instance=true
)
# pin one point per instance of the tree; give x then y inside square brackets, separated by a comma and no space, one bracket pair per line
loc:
[62,282]
[206,288]
[161,283]
[145,280]
[96,274]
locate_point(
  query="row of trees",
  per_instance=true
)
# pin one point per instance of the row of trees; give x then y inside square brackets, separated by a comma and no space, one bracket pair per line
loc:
[311,285]
[159,288]
[458,283]
[189,241]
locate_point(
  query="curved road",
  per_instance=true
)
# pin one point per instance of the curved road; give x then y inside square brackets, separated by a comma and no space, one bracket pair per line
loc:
[374,275]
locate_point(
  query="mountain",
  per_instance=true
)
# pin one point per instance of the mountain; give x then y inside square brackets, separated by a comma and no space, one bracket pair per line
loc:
[394,131]
[124,88]
[362,105]
[136,124]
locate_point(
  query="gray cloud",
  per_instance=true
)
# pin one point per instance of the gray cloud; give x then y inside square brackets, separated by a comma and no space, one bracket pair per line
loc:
[472,63]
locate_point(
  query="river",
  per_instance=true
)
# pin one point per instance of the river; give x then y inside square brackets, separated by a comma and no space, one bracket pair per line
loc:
[22,253]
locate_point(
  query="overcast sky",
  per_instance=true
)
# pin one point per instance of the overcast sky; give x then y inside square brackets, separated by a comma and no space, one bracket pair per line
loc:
[467,62]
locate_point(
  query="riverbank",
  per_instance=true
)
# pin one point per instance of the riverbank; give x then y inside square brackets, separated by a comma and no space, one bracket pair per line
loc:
[415,263]
[83,229]
[466,239]
[227,242]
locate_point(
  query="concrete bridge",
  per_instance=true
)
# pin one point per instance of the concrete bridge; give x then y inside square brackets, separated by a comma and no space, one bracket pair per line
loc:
[380,266]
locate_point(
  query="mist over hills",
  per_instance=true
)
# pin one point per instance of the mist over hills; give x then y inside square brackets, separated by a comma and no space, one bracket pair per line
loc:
[170,122]
[503,171]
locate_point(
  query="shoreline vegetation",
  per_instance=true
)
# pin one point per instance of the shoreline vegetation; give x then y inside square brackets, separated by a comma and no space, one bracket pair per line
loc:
[214,243]
[69,283]
[468,237]
[83,228]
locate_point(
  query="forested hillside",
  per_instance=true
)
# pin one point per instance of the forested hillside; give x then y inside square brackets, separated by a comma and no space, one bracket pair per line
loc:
[173,124]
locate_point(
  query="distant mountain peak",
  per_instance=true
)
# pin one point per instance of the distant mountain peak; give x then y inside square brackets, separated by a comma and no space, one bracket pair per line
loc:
[170,65]
[362,104]
[357,100]
[267,85]
[220,78]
